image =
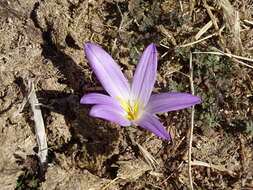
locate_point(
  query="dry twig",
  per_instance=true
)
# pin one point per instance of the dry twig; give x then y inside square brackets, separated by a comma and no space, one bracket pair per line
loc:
[38,120]
[151,161]
[110,183]
[203,29]
[214,20]
[236,58]
[148,157]
[39,124]
[217,167]
[192,126]
[203,39]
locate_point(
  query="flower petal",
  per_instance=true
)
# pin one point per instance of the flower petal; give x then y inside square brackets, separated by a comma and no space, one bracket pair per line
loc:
[107,71]
[154,125]
[164,102]
[145,75]
[110,113]
[97,98]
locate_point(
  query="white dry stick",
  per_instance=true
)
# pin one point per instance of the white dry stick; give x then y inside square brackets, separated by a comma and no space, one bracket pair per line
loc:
[236,57]
[248,22]
[203,39]
[39,124]
[198,41]
[204,29]
[219,52]
[217,167]
[148,157]
[192,126]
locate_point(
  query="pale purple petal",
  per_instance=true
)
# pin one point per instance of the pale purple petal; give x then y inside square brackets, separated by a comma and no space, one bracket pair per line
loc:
[110,113]
[145,75]
[149,122]
[107,71]
[97,98]
[164,102]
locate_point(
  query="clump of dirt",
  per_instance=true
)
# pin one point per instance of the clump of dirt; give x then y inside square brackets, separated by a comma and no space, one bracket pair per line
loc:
[58,178]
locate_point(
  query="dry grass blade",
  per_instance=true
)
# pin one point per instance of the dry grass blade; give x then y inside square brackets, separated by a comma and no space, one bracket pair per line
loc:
[192,5]
[237,32]
[167,34]
[217,167]
[236,57]
[227,54]
[204,29]
[39,124]
[209,11]
[192,126]
[110,183]
[148,157]
[203,39]
[214,20]
[248,22]
[198,41]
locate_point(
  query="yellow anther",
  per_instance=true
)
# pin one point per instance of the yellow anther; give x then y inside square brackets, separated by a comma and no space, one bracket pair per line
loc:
[131,109]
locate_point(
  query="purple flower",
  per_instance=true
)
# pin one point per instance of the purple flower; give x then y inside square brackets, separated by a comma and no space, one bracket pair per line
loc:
[132,104]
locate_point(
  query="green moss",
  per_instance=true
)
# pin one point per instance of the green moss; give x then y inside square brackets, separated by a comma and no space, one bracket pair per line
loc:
[27,181]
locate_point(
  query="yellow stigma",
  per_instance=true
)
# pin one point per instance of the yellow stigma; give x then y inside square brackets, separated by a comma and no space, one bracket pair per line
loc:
[131,109]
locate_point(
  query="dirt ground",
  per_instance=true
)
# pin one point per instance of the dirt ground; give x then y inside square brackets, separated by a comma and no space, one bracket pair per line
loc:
[44,39]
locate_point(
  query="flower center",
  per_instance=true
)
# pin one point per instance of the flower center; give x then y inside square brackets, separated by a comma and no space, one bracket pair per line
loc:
[131,108]
[132,111]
